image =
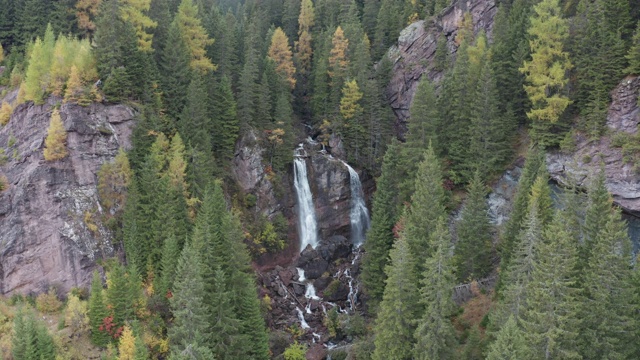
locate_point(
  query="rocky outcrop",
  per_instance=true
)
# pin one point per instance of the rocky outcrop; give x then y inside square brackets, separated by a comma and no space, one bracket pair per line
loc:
[414,54]
[623,179]
[44,237]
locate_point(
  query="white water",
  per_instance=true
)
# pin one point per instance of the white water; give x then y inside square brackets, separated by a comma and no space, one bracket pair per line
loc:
[301,276]
[359,213]
[303,322]
[310,292]
[307,225]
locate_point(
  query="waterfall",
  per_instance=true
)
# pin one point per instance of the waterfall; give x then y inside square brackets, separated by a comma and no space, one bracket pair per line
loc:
[359,213]
[307,225]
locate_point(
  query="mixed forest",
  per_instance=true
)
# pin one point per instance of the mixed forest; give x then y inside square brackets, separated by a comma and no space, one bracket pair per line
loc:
[202,74]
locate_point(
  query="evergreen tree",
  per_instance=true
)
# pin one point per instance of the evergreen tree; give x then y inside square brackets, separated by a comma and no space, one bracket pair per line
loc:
[191,324]
[534,163]
[435,336]
[546,72]
[97,312]
[195,125]
[380,235]
[225,121]
[441,59]
[634,53]
[550,319]
[32,19]
[247,93]
[31,340]
[352,130]
[599,203]
[607,318]
[254,333]
[176,72]
[304,51]
[225,327]
[510,343]
[396,321]
[423,124]
[473,248]
[119,293]
[427,206]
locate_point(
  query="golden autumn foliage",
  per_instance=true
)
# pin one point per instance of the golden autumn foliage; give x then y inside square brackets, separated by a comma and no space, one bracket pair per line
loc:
[56,141]
[75,316]
[351,95]
[338,62]
[303,46]
[195,36]
[1,53]
[127,344]
[280,53]
[5,113]
[113,180]
[133,11]
[75,92]
[86,10]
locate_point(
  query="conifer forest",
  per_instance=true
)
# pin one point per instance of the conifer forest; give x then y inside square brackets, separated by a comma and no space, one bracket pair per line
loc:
[319,179]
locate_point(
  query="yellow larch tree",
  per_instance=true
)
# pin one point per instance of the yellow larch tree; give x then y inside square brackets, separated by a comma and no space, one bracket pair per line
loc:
[195,36]
[5,113]
[86,10]
[133,11]
[303,45]
[127,344]
[56,141]
[280,53]
[338,62]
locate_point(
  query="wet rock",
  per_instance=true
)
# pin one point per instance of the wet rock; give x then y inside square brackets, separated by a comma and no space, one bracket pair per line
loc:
[622,179]
[336,291]
[312,263]
[414,55]
[335,247]
[316,352]
[321,283]
[44,239]
[298,288]
[286,276]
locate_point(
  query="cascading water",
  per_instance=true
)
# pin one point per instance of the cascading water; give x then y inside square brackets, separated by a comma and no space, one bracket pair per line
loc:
[359,213]
[307,225]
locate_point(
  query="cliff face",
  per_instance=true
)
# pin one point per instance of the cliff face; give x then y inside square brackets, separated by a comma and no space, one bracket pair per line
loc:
[414,55]
[44,237]
[623,180]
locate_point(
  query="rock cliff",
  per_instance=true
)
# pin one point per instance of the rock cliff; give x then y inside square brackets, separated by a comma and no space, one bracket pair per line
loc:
[414,54]
[44,237]
[623,178]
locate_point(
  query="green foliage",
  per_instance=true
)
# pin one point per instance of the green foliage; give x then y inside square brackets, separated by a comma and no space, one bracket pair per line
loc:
[295,352]
[97,312]
[31,340]
[634,53]
[473,248]
[510,343]
[435,336]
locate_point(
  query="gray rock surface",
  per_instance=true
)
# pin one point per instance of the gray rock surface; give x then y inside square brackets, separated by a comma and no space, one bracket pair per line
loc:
[43,236]
[623,181]
[414,54]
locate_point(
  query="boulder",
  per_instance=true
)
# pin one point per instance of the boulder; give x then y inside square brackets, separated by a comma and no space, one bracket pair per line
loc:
[312,263]
[336,247]
[316,352]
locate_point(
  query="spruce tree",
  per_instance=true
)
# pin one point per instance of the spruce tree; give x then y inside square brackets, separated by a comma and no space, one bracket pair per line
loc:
[435,336]
[195,125]
[380,235]
[599,203]
[176,72]
[550,319]
[427,206]
[119,293]
[608,315]
[255,338]
[97,312]
[225,327]
[396,322]
[191,316]
[633,57]
[225,124]
[473,248]
[352,130]
[510,343]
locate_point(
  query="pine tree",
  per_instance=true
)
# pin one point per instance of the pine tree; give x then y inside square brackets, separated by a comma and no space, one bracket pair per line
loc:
[435,336]
[247,93]
[252,326]
[427,206]
[119,293]
[97,312]
[473,248]
[546,72]
[396,322]
[225,327]
[510,343]
[634,53]
[191,324]
[599,203]
[550,319]
[607,318]
[280,53]
[31,340]
[56,141]
[195,124]
[194,36]
[380,235]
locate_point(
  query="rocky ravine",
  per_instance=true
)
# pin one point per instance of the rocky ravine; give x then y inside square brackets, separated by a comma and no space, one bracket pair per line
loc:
[414,54]
[44,239]
[623,181]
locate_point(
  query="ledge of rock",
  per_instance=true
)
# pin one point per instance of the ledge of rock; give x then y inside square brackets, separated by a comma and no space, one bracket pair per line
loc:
[44,240]
[623,181]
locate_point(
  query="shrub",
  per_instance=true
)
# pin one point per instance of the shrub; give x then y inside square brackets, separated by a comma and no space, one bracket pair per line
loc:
[295,351]
[48,302]
[5,113]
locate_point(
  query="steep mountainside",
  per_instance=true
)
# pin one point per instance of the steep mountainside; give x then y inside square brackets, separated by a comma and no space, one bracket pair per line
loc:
[45,212]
